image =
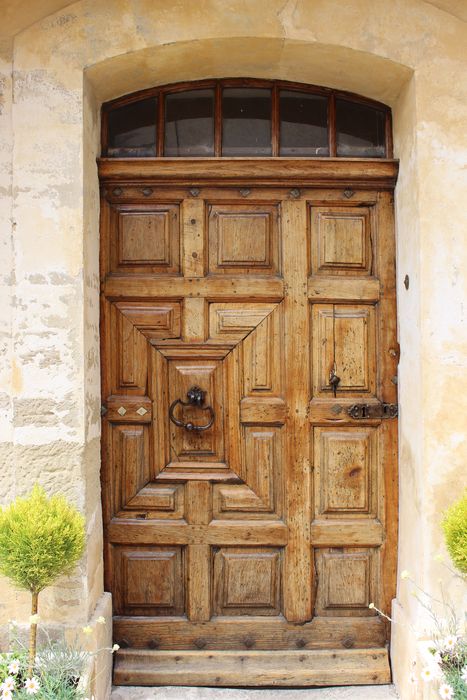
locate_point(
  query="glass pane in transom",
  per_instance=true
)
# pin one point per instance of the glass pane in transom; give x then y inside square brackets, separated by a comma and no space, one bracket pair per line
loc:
[303,124]
[132,129]
[189,123]
[360,130]
[246,122]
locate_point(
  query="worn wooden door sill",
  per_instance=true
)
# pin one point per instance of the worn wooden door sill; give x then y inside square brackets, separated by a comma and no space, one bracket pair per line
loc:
[320,667]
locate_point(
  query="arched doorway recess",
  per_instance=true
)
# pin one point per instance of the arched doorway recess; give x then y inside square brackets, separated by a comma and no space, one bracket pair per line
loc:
[248,356]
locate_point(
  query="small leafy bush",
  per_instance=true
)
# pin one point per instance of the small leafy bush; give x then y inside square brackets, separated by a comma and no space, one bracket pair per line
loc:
[455,532]
[40,539]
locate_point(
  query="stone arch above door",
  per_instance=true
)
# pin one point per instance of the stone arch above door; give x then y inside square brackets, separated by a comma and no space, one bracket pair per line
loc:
[336,66]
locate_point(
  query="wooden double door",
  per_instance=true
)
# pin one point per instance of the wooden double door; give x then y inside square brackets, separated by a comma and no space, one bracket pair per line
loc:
[249,358]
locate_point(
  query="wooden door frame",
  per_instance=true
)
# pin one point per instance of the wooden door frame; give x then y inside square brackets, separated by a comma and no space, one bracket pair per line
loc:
[364,173]
[346,175]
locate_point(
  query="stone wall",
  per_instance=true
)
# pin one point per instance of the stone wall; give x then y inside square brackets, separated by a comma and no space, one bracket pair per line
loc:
[53,78]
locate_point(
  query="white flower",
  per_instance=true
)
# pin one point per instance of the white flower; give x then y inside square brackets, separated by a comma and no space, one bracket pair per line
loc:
[101,620]
[446,691]
[9,683]
[14,667]
[34,619]
[32,686]
[87,629]
[428,674]
[450,642]
[405,574]
[371,606]
[464,674]
[6,694]
[115,647]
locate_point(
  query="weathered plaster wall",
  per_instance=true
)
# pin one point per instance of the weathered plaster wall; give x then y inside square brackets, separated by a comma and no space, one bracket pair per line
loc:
[6,281]
[64,67]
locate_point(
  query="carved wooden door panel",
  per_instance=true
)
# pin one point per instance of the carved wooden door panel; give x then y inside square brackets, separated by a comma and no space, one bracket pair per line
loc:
[248,552]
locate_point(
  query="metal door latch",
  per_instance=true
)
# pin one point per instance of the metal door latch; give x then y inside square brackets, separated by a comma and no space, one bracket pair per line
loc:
[373,410]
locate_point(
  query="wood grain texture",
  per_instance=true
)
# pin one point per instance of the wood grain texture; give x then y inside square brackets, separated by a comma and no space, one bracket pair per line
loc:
[243,238]
[273,668]
[324,172]
[193,238]
[144,238]
[199,512]
[233,288]
[297,558]
[264,632]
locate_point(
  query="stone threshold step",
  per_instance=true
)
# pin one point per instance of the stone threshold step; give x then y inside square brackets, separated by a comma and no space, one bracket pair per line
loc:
[362,692]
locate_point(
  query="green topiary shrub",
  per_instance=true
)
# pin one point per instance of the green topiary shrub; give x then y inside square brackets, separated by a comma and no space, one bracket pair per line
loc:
[40,539]
[454,526]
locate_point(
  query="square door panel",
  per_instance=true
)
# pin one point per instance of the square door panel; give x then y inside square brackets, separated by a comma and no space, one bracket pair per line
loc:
[243,238]
[340,240]
[345,470]
[247,581]
[149,581]
[344,339]
[346,581]
[147,239]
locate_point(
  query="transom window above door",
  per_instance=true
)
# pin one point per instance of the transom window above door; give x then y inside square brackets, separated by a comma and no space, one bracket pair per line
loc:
[245,118]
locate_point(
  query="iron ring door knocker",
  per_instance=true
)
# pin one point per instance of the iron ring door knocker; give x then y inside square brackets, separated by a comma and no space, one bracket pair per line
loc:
[195,397]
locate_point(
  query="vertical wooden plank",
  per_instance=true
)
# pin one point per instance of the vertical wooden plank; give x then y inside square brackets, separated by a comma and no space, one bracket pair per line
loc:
[199,512]
[389,139]
[332,133]
[275,121]
[388,358]
[218,121]
[104,132]
[194,320]
[193,237]
[233,372]
[297,563]
[160,126]
[162,448]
